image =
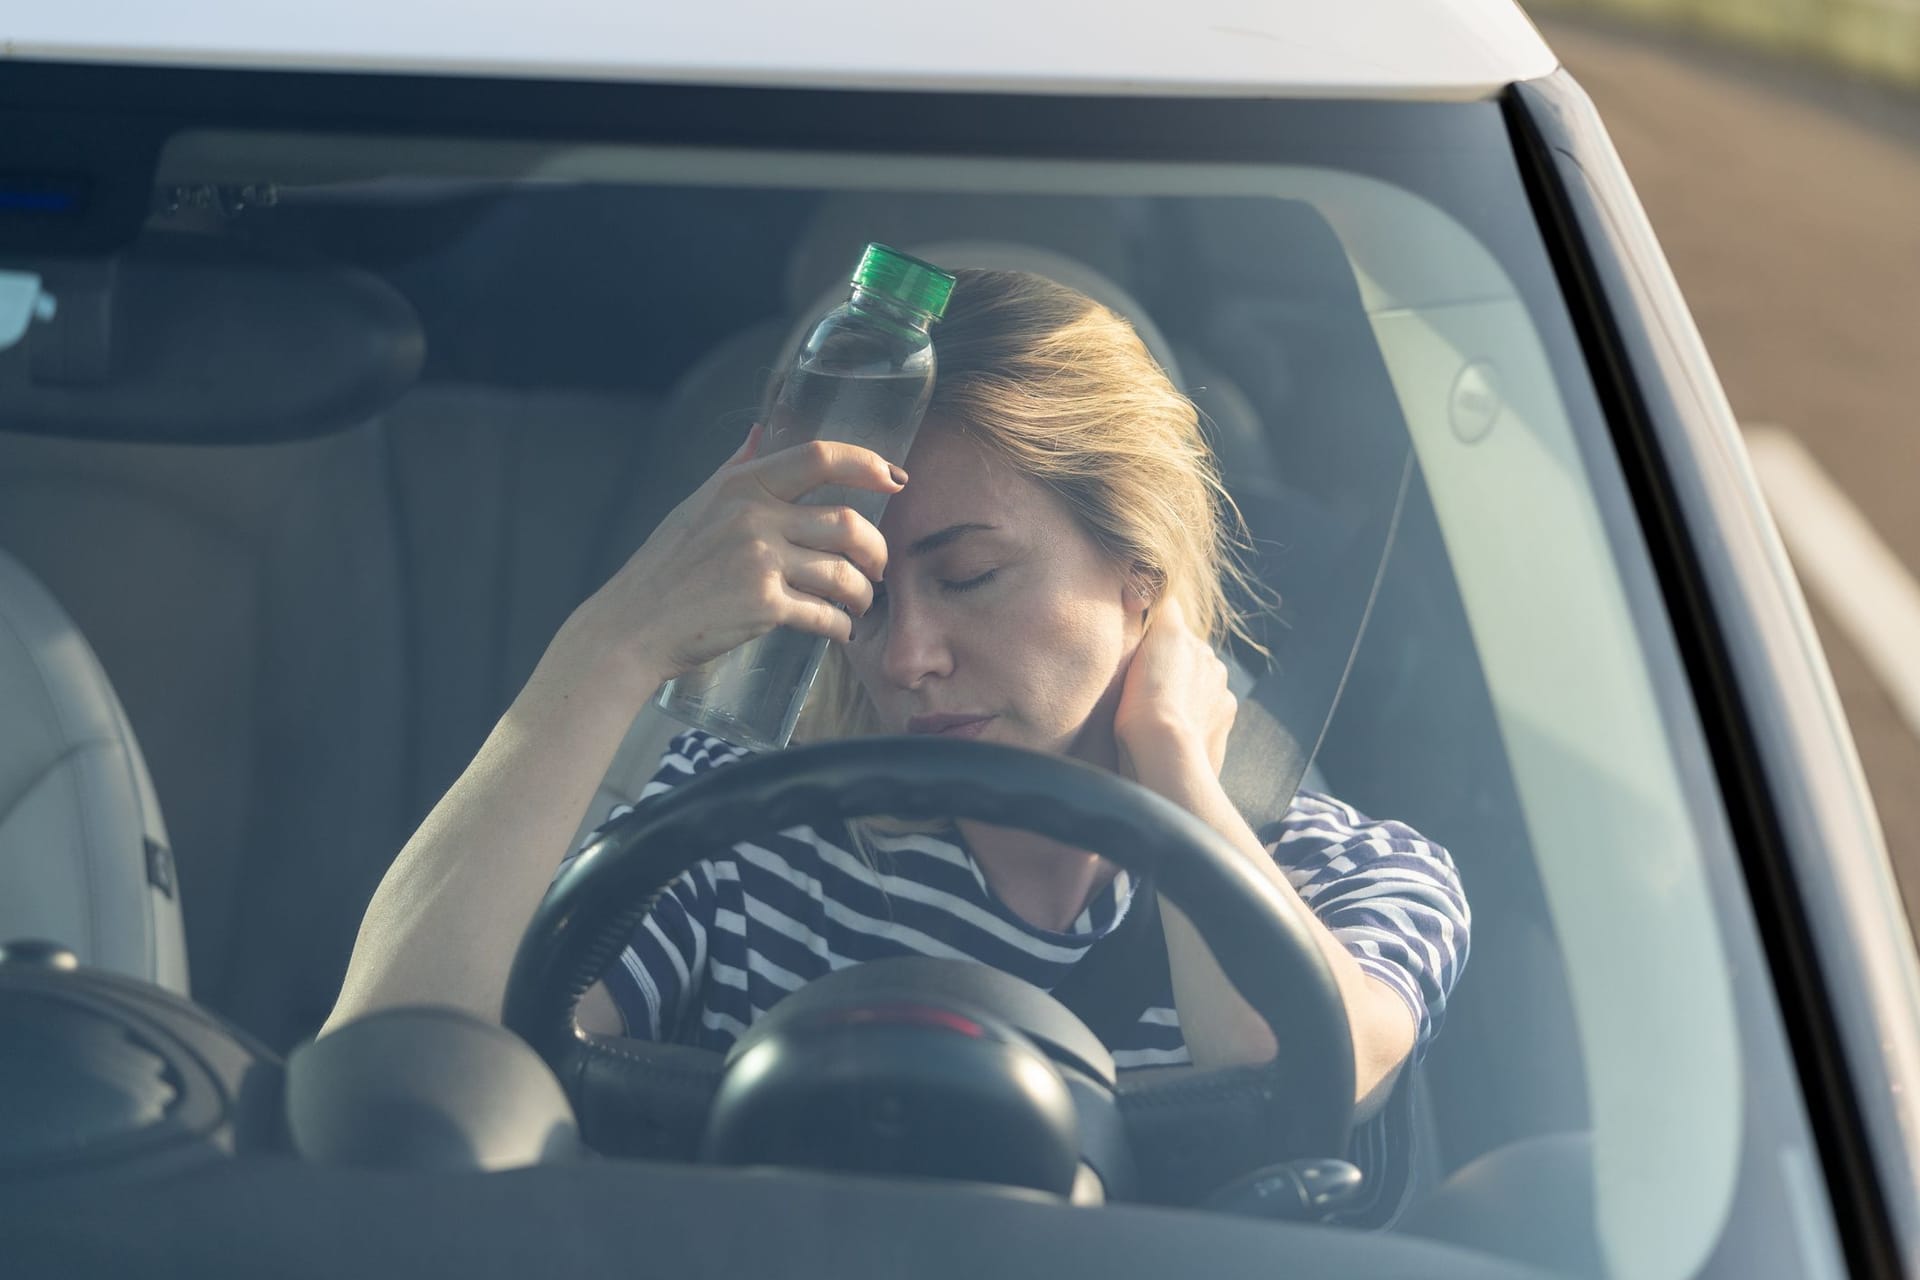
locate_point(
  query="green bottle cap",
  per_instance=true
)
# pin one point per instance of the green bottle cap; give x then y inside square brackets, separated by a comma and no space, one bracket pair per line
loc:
[906,280]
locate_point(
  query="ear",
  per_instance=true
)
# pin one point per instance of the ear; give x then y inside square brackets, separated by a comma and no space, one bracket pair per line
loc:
[1137,594]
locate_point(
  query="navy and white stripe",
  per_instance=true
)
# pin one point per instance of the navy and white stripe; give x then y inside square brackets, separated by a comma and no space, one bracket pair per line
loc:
[735,934]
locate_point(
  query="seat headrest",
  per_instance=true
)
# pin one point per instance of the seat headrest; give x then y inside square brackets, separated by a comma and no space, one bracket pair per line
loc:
[180,341]
[1084,228]
[995,255]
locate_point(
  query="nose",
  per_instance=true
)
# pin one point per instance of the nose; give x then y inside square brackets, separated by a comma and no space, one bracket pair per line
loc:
[916,648]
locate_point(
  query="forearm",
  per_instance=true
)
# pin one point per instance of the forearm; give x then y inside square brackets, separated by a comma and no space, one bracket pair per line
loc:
[1220,1027]
[737,558]
[443,925]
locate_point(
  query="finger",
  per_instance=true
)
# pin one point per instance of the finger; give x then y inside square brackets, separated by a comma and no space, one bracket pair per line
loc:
[842,531]
[793,472]
[832,578]
[815,616]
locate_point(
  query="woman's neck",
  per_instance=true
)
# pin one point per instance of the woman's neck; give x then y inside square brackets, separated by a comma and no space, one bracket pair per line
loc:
[1044,882]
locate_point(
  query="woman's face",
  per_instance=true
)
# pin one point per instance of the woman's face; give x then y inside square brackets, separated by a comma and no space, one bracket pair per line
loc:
[999,618]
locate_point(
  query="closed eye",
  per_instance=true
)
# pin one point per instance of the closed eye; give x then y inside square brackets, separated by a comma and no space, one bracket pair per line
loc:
[964,584]
[968,584]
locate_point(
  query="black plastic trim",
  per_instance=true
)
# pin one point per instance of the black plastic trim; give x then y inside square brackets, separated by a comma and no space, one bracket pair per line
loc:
[106,125]
[1171,128]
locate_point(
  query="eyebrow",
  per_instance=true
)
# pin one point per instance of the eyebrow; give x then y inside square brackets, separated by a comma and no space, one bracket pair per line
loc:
[940,538]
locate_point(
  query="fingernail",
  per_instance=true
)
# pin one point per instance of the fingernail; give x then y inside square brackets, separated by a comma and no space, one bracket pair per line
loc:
[899,476]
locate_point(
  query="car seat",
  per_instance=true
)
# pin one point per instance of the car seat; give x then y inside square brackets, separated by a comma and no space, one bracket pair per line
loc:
[1086,244]
[220,552]
[717,400]
[327,615]
[84,856]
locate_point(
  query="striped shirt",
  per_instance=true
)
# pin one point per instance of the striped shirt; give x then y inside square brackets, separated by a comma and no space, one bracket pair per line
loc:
[736,933]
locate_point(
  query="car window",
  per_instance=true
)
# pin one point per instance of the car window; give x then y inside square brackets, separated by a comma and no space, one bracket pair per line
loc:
[374,413]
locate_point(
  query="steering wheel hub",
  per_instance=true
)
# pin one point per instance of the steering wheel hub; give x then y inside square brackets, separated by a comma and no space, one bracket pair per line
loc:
[864,1080]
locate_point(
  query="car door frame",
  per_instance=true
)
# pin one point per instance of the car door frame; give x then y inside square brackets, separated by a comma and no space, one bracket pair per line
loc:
[1821,883]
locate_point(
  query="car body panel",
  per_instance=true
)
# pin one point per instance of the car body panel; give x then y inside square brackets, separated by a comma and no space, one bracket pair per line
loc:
[1358,48]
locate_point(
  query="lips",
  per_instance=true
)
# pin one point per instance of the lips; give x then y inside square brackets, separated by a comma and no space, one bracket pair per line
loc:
[949,724]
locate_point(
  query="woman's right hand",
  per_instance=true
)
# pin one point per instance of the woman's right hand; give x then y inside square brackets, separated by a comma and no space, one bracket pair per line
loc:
[739,557]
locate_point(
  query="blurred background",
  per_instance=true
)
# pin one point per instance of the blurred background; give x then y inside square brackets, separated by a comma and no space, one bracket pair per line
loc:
[1776,146]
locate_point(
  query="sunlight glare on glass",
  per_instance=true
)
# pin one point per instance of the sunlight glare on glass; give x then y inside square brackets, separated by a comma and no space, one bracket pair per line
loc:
[22,301]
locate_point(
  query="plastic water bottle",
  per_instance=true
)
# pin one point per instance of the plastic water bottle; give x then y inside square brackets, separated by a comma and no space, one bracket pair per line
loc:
[864,375]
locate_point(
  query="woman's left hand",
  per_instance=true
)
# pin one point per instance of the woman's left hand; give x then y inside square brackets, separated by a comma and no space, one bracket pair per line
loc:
[1174,701]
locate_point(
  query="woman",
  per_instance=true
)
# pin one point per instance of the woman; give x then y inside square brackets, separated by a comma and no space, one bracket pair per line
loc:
[1053,577]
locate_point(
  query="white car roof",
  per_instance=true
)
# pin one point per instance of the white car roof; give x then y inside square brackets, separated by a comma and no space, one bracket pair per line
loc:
[1265,48]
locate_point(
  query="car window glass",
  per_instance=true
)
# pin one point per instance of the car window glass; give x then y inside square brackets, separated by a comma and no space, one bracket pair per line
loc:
[513,358]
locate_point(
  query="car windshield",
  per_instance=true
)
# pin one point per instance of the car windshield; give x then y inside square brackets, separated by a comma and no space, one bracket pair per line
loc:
[321,462]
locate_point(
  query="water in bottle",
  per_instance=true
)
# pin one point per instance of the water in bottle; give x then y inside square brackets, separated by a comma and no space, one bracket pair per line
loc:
[863,375]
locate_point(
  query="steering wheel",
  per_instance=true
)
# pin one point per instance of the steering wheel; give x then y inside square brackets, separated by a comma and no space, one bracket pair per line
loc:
[1188,1129]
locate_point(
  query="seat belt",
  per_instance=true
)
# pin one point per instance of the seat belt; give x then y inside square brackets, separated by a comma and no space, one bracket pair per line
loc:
[1123,973]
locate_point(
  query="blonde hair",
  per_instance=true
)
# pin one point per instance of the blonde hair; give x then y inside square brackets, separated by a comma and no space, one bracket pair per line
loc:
[1062,389]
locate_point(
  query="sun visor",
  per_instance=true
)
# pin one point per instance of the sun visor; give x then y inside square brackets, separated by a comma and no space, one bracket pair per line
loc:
[186,343]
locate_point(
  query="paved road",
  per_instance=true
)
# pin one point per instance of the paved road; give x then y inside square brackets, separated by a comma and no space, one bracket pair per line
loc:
[1788,201]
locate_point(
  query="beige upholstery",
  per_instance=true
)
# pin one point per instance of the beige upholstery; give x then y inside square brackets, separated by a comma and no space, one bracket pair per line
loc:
[84,858]
[313,638]
[997,255]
